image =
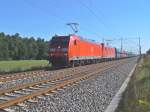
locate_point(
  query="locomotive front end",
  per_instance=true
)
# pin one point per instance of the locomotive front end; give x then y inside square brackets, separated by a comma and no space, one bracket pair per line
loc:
[58,50]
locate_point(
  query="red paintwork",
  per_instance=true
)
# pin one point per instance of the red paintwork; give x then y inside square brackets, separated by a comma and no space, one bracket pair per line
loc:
[83,48]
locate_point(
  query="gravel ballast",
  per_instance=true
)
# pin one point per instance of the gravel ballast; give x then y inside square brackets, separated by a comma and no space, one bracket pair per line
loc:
[91,95]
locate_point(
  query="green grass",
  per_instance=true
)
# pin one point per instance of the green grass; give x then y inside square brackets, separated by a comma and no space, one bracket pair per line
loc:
[22,65]
[137,96]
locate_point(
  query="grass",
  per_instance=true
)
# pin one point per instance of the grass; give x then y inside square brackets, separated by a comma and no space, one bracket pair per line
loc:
[22,65]
[137,96]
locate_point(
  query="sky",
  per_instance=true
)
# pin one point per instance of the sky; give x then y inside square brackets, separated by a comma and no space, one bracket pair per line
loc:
[97,19]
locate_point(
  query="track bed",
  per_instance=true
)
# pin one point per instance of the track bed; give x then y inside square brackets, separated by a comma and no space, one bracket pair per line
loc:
[87,88]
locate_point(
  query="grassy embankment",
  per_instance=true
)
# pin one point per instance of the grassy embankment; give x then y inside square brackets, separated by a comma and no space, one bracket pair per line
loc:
[22,65]
[137,96]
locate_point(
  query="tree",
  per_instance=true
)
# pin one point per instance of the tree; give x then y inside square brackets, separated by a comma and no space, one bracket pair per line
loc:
[4,52]
[32,48]
[42,49]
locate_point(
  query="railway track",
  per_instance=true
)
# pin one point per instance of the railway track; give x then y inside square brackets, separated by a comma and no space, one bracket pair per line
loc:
[12,81]
[41,77]
[21,93]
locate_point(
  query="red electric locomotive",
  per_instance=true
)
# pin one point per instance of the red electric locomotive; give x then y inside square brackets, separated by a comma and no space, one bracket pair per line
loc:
[74,50]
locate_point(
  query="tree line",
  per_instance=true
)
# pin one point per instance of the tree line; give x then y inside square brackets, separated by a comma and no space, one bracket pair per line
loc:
[15,47]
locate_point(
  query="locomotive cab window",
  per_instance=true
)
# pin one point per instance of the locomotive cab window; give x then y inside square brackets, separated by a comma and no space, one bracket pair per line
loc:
[59,41]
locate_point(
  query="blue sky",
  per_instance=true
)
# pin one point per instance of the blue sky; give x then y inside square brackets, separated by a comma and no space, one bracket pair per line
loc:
[109,19]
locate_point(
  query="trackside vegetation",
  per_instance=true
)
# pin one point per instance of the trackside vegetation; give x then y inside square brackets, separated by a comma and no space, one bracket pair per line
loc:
[15,47]
[137,96]
[22,65]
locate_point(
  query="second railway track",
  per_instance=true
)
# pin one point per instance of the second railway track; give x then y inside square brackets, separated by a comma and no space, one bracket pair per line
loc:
[23,75]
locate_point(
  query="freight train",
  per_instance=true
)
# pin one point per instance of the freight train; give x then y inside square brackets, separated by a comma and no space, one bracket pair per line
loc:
[73,50]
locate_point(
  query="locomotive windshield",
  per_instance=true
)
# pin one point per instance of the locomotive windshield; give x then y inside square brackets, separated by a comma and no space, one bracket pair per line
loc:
[60,41]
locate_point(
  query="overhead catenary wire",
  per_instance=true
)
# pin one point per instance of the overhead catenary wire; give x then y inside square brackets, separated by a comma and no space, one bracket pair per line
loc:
[100,20]
[128,43]
[96,9]
[94,14]
[59,18]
